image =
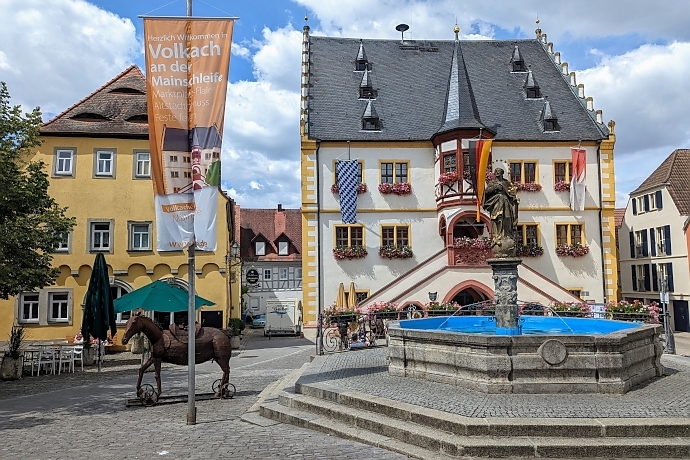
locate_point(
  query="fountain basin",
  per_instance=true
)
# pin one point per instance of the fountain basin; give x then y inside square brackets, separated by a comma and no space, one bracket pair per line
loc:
[601,356]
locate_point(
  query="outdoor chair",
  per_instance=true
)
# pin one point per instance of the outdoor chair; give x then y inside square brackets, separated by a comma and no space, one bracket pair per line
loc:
[46,357]
[78,355]
[31,359]
[66,357]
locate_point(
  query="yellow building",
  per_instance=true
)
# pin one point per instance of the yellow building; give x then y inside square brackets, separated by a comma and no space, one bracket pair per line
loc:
[97,156]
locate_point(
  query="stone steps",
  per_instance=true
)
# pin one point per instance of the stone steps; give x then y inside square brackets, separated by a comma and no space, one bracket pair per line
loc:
[426,433]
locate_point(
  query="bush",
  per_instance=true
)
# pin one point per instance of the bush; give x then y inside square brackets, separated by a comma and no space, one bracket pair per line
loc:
[237,326]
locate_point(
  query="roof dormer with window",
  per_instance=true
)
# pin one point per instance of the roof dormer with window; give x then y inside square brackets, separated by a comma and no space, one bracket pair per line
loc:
[361,62]
[531,86]
[548,118]
[370,119]
[366,87]
[517,61]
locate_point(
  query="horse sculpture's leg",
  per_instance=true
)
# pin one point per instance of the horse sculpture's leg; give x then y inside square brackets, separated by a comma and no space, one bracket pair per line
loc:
[157,365]
[142,369]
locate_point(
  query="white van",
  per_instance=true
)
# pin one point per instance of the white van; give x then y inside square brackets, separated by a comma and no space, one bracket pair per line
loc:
[283,316]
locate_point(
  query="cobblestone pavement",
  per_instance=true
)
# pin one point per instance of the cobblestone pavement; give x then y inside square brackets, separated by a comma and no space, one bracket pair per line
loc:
[83,415]
[367,371]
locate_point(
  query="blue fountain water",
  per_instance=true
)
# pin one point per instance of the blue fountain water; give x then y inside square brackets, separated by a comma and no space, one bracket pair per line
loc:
[529,325]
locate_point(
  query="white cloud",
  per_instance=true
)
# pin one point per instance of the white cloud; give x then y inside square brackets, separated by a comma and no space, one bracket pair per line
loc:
[279,58]
[240,51]
[60,51]
[646,93]
[434,18]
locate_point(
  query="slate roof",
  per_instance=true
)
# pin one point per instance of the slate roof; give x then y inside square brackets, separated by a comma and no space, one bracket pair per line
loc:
[117,108]
[413,87]
[674,174]
[270,224]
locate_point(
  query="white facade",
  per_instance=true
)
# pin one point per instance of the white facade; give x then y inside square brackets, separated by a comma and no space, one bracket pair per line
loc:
[410,280]
[647,250]
[277,280]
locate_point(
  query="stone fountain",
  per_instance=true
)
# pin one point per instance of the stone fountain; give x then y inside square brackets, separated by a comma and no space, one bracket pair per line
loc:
[582,356]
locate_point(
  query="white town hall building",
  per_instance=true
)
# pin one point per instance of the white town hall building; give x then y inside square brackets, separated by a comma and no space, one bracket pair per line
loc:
[407,111]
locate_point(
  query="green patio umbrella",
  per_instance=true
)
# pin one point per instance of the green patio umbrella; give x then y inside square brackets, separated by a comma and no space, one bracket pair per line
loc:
[158,296]
[99,315]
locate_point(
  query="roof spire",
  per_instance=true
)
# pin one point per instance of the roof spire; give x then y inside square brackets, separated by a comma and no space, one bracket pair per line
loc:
[461,108]
[361,55]
[538,31]
[456,29]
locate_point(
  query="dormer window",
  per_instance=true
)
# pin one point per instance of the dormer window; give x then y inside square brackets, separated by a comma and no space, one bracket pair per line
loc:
[531,86]
[370,119]
[366,90]
[371,124]
[517,61]
[548,117]
[550,125]
[361,62]
[283,247]
[260,248]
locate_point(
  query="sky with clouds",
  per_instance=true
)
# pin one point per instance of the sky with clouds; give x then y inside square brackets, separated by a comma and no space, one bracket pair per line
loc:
[633,60]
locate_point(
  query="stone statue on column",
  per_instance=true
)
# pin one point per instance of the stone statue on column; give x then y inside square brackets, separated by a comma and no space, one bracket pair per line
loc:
[501,202]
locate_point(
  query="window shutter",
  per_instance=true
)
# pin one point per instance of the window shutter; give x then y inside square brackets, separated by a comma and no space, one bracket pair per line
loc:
[667,237]
[632,245]
[658,200]
[645,250]
[655,278]
[669,276]
[646,203]
[634,277]
[634,202]
[652,238]
[645,272]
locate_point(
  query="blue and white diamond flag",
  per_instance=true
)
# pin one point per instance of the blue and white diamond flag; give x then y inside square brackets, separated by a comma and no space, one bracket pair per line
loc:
[348,180]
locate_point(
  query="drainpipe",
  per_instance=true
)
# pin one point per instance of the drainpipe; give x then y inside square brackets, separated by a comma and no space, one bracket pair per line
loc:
[601,225]
[319,307]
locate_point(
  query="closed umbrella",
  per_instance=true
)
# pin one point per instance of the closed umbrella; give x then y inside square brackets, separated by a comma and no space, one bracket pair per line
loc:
[158,296]
[99,314]
[340,301]
[352,297]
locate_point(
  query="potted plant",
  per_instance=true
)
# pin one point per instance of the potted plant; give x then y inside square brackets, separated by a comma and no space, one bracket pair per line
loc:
[343,314]
[399,188]
[448,178]
[13,360]
[524,250]
[383,310]
[635,311]
[527,186]
[562,186]
[236,326]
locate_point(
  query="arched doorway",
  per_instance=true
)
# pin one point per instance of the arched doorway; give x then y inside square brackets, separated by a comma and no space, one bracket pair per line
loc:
[469,296]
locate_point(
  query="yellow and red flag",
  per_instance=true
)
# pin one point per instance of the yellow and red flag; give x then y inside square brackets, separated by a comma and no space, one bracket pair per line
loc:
[480,151]
[187,66]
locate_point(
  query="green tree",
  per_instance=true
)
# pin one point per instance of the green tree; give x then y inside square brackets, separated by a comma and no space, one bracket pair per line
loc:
[31,222]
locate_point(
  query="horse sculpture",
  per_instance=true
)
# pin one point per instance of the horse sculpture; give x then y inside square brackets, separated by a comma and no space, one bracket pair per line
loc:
[171,346]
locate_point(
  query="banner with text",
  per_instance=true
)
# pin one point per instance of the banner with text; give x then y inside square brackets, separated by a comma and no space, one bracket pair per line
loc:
[187,66]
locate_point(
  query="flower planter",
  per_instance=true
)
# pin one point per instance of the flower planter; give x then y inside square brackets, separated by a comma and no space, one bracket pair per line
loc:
[640,317]
[400,188]
[441,312]
[393,252]
[235,342]
[11,368]
[343,318]
[562,186]
[570,314]
[527,187]
[361,188]
[386,315]
[349,253]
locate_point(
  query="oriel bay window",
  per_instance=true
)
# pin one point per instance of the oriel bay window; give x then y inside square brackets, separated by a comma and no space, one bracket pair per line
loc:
[395,236]
[349,236]
[569,234]
[394,172]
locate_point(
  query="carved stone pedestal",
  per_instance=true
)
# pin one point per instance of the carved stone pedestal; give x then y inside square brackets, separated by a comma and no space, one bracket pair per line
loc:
[505,288]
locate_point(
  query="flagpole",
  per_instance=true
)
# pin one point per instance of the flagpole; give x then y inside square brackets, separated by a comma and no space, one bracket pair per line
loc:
[191,326]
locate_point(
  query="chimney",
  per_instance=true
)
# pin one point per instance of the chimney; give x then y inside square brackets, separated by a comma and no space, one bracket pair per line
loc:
[581,90]
[600,117]
[543,38]
[557,57]
[280,207]
[572,79]
[564,68]
[549,47]
[590,103]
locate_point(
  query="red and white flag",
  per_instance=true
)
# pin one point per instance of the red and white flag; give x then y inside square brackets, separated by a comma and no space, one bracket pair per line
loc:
[577,182]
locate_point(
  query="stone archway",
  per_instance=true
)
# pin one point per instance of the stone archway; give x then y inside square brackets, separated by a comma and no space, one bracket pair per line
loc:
[469,291]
